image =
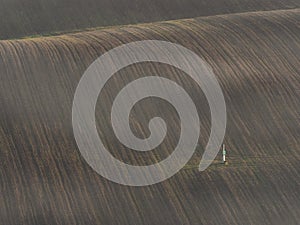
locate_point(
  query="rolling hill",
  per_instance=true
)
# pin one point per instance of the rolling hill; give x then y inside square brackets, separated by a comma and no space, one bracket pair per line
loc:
[43,17]
[255,56]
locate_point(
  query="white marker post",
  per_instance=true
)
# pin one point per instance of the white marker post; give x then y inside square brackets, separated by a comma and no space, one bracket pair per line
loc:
[224,154]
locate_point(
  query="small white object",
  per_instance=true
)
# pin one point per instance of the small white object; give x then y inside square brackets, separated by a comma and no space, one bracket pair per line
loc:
[224,154]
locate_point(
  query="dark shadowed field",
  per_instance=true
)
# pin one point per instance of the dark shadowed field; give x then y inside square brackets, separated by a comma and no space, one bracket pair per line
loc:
[255,56]
[19,18]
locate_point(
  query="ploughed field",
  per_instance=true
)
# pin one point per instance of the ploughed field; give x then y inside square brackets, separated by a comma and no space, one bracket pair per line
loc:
[19,18]
[255,56]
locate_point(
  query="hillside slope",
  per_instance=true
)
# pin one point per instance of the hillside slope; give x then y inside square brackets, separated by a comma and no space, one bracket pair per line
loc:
[19,18]
[255,56]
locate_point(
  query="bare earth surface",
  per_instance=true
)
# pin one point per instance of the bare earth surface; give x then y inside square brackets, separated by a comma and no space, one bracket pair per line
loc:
[19,18]
[255,56]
